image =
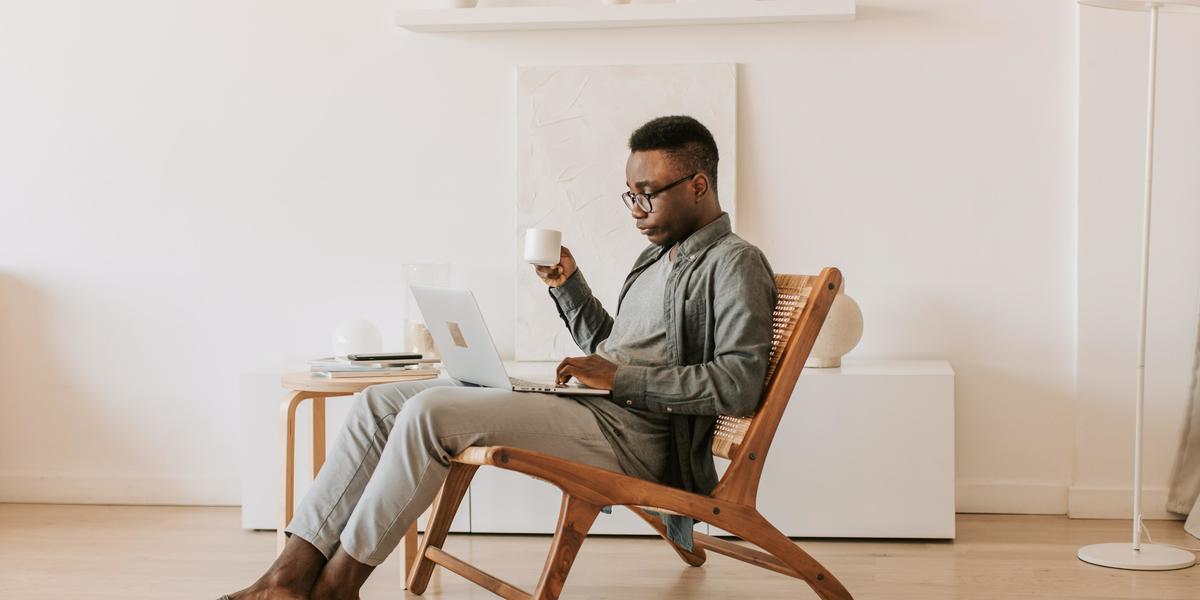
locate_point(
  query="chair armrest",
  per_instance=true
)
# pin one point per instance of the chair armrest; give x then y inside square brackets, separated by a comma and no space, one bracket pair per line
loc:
[477,455]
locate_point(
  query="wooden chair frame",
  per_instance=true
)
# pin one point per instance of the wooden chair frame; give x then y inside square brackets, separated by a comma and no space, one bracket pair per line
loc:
[803,303]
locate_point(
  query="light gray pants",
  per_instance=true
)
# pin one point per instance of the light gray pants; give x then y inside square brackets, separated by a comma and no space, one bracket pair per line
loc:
[394,453]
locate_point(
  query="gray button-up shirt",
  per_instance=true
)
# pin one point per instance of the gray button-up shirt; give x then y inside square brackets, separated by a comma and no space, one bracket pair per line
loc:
[717,305]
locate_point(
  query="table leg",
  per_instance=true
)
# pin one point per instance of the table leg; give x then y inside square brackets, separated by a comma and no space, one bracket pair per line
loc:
[287,479]
[318,437]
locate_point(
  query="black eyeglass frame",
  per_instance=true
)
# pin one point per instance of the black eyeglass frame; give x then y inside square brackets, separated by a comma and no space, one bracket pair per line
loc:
[645,201]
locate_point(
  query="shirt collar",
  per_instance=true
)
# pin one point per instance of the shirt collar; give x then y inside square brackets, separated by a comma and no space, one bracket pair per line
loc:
[700,240]
[704,237]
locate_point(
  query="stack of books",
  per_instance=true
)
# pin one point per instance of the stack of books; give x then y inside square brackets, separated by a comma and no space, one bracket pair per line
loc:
[374,366]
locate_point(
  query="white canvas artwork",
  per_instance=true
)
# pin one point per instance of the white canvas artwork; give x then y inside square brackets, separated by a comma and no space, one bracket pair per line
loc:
[573,127]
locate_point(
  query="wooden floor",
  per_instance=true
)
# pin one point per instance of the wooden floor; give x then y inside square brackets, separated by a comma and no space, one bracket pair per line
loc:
[79,552]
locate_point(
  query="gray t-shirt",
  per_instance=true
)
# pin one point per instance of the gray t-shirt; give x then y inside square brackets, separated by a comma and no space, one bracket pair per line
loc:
[638,337]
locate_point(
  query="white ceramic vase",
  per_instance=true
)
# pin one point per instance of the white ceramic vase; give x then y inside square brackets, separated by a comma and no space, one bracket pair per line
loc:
[841,332]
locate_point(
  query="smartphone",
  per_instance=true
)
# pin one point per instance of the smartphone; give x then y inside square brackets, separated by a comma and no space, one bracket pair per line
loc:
[384,356]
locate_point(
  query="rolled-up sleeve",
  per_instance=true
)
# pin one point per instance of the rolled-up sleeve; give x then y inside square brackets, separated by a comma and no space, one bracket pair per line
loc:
[583,314]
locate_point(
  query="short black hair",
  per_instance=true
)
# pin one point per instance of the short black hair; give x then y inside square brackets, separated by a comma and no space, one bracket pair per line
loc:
[684,139]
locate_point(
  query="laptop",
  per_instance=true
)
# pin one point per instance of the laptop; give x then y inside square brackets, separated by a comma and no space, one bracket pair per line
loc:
[466,347]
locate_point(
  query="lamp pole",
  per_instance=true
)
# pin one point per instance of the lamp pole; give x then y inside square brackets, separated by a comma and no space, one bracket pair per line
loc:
[1139,556]
[1146,199]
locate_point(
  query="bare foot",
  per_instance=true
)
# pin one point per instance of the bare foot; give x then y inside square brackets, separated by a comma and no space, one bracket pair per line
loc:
[291,576]
[257,592]
[341,578]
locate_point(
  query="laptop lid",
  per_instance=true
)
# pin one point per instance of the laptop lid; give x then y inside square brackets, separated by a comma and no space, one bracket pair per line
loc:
[461,336]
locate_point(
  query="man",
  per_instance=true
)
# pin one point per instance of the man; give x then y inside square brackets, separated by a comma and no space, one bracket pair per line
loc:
[691,340]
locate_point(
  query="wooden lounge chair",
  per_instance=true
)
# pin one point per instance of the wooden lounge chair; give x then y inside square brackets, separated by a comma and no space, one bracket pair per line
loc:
[802,304]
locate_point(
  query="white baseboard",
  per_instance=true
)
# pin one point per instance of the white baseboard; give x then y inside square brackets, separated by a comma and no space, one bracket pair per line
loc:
[1091,502]
[1011,497]
[119,488]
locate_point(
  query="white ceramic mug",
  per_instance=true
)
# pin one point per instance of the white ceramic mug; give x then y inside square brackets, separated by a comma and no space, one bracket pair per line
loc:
[543,246]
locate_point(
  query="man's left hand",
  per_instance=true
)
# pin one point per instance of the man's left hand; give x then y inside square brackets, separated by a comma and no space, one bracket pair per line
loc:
[591,370]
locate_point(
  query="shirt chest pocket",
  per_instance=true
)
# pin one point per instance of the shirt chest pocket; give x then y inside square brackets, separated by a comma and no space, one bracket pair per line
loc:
[695,329]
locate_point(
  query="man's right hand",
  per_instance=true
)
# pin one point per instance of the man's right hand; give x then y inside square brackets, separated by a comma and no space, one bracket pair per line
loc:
[560,273]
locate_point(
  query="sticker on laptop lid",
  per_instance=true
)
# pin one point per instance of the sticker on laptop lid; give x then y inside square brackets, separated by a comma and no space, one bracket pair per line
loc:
[456,334]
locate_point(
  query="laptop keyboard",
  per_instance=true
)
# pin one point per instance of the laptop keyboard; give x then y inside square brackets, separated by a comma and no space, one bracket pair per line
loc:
[525,383]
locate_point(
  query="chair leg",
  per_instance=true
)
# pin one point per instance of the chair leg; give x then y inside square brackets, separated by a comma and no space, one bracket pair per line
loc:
[694,558]
[410,552]
[764,535]
[575,518]
[444,507]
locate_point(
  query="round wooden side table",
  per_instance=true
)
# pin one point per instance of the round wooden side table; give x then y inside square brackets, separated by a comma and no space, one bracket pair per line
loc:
[305,386]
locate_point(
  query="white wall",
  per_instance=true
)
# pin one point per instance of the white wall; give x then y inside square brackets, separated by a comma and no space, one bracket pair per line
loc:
[195,189]
[1113,68]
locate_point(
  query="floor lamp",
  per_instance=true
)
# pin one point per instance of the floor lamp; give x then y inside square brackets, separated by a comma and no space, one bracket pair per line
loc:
[1139,556]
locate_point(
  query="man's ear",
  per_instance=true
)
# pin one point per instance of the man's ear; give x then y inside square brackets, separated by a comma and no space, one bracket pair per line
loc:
[700,185]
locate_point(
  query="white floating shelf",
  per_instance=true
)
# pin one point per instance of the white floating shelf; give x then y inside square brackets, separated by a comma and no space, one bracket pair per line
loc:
[599,16]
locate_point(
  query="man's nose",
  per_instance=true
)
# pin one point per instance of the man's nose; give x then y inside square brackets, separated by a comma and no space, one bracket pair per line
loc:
[638,213]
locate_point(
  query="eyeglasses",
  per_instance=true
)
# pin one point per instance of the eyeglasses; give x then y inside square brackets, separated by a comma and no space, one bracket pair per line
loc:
[644,201]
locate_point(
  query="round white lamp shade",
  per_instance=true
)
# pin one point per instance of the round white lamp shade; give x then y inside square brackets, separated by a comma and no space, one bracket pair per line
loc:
[841,332]
[357,336]
[1144,5]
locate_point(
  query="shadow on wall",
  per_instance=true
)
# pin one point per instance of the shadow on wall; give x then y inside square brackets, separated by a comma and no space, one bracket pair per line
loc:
[1005,385]
[50,428]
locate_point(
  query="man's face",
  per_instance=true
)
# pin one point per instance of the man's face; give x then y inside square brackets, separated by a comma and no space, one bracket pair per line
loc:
[674,211]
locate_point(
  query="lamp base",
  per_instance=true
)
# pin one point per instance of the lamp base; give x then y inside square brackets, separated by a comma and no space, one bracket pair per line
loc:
[1151,557]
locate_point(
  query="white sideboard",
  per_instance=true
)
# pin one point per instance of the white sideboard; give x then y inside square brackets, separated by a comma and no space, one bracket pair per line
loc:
[865,450]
